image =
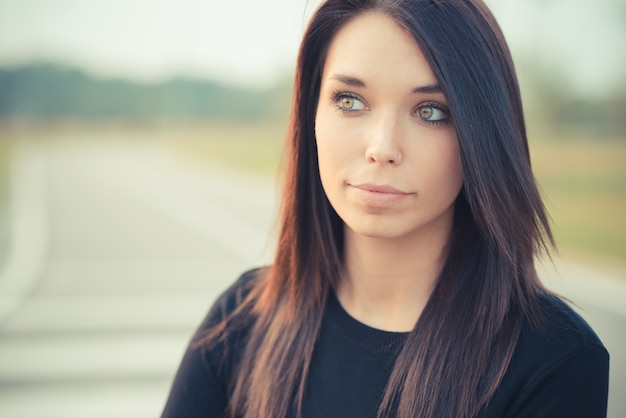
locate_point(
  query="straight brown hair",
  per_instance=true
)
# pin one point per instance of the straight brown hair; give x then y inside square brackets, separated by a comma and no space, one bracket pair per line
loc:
[455,357]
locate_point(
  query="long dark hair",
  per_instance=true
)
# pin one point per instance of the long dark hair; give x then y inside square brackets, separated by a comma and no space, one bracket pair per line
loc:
[453,361]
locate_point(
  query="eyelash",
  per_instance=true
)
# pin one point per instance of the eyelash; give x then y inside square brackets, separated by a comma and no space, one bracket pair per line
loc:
[338,95]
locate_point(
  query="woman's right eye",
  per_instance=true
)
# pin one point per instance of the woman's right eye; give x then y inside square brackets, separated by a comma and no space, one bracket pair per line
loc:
[347,102]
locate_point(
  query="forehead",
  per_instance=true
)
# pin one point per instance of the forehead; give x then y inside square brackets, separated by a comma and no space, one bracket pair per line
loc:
[375,47]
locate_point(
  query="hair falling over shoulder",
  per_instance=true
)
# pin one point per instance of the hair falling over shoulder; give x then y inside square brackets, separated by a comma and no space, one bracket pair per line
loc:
[454,359]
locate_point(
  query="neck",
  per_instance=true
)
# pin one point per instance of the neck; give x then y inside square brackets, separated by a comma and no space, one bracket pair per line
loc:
[386,283]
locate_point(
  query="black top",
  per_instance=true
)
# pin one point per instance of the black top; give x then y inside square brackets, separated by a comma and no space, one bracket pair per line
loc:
[559,372]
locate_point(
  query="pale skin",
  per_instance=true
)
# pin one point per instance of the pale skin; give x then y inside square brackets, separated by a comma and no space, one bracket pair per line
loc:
[390,166]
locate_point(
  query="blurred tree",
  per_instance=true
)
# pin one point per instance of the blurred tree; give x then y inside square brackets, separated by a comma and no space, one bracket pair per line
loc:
[44,92]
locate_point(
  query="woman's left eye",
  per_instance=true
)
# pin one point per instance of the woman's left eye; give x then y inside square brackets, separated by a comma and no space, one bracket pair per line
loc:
[432,113]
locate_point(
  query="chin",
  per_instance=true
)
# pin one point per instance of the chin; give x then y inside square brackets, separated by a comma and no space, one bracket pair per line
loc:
[376,230]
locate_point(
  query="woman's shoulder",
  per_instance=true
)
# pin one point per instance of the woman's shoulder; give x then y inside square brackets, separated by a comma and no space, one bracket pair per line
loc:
[561,336]
[221,337]
[559,366]
[561,333]
[231,299]
[202,382]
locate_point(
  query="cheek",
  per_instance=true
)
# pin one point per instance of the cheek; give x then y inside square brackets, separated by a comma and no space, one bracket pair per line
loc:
[333,148]
[439,167]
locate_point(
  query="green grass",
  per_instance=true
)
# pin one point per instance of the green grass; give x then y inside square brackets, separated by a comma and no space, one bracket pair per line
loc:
[584,185]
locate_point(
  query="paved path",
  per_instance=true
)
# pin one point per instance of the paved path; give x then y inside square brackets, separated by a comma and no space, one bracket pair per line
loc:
[119,251]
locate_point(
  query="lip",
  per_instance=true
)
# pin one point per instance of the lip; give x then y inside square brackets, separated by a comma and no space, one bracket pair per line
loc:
[378,189]
[378,195]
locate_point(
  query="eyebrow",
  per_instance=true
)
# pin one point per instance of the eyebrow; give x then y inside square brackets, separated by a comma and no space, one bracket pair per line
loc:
[351,81]
[355,82]
[430,88]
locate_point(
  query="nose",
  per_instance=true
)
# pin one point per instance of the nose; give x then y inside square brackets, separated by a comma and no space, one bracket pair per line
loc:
[383,146]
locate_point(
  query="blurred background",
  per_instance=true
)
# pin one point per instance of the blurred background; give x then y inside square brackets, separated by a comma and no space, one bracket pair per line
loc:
[139,162]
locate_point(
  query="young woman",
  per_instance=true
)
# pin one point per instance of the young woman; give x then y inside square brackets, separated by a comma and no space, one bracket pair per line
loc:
[404,281]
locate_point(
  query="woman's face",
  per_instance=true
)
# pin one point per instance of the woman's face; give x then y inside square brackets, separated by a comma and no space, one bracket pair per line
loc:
[388,153]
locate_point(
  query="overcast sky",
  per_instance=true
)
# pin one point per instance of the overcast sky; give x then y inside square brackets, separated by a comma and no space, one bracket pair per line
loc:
[255,41]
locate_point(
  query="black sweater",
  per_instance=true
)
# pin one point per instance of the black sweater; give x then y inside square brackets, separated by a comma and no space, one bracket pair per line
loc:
[559,372]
